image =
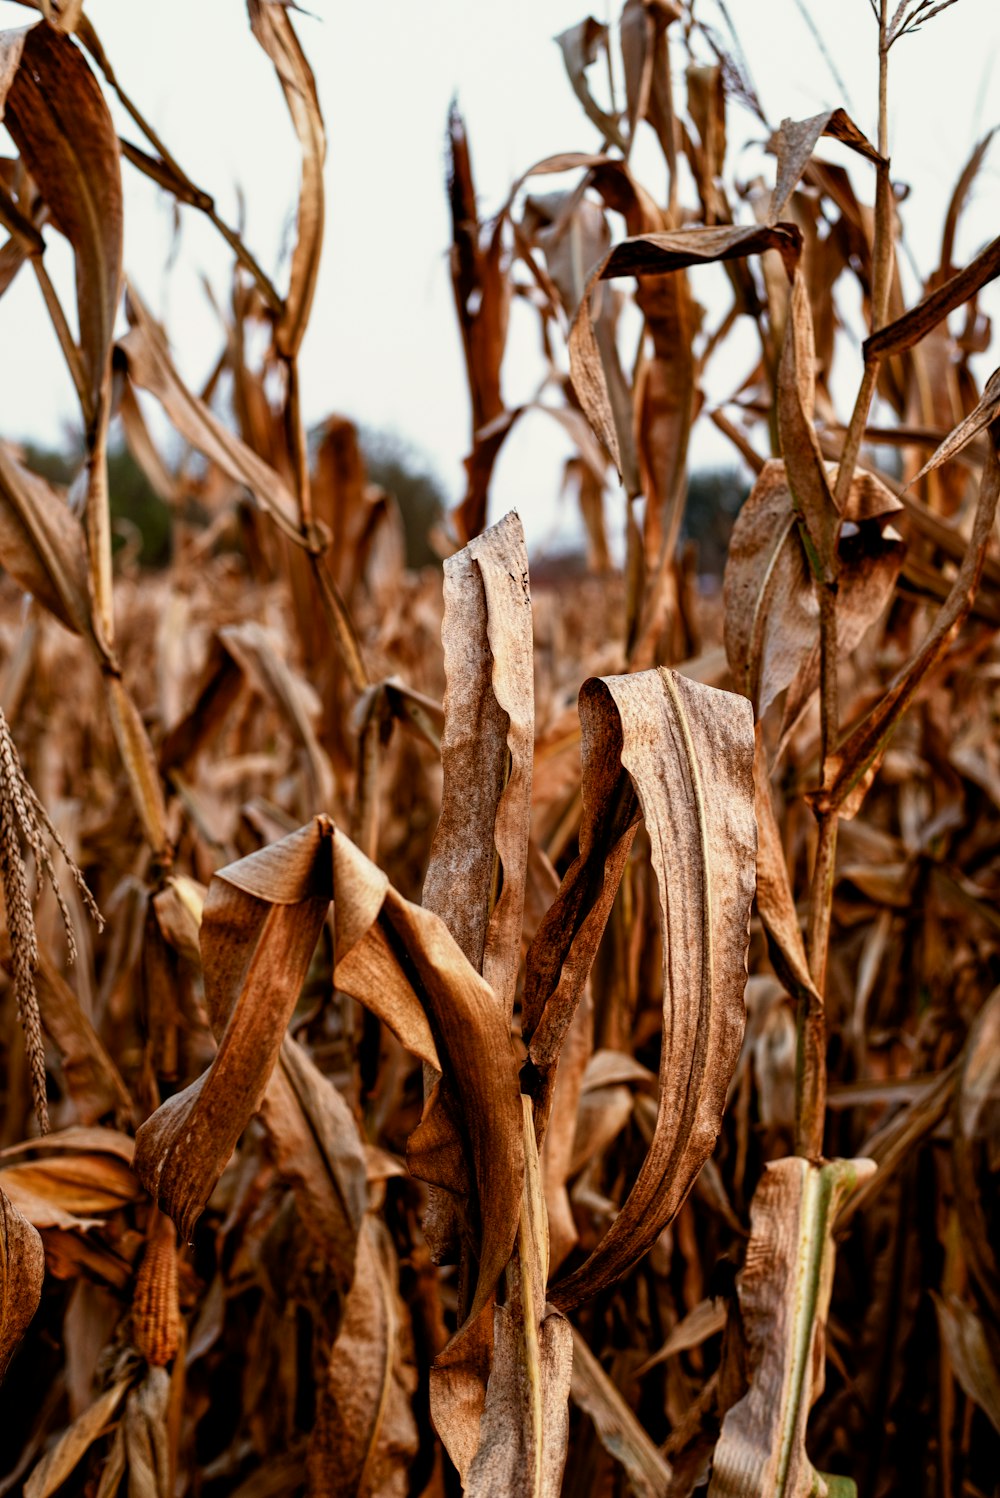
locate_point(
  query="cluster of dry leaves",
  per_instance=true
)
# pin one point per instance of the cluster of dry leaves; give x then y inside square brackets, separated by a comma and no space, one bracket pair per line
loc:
[410,1124]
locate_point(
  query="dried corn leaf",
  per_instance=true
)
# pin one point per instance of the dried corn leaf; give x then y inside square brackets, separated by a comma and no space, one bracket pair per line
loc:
[771,605]
[646,65]
[621,1434]
[66,1190]
[261,922]
[808,481]
[476,876]
[784,1294]
[42,544]
[60,1460]
[151,368]
[365,1437]
[970,1355]
[525,1419]
[273,28]
[581,45]
[147,1437]
[684,754]
[58,118]
[905,331]
[22,1269]
[137,756]
[860,752]
[986,411]
[654,255]
[795,142]
[482,302]
[317,1148]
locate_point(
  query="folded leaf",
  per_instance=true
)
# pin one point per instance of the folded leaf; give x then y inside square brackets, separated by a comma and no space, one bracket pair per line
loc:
[683,753]
[261,921]
[476,876]
[654,255]
[794,144]
[272,26]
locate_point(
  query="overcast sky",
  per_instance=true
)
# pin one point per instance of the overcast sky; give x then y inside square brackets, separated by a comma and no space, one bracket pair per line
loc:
[382,346]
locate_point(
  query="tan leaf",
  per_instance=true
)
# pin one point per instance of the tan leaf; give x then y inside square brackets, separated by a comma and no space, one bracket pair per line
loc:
[970,1355]
[705,1320]
[794,143]
[22,1269]
[784,1294]
[261,921]
[808,482]
[254,651]
[915,324]
[272,26]
[654,255]
[525,1420]
[137,756]
[684,754]
[151,368]
[60,1460]
[92,1078]
[66,1190]
[771,606]
[620,1433]
[986,411]
[646,65]
[317,1148]
[147,1438]
[581,45]
[58,118]
[481,842]
[42,544]
[365,1437]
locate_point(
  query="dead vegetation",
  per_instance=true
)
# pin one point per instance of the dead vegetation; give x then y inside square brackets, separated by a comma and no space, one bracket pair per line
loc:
[407,1123]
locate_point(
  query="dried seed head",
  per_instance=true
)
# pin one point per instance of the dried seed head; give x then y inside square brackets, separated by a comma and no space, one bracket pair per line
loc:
[23,815]
[156,1315]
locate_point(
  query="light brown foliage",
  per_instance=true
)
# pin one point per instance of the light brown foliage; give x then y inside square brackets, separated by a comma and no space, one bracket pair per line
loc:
[415,1124]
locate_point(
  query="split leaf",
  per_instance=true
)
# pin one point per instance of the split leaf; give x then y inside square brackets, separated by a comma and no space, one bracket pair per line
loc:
[784,1295]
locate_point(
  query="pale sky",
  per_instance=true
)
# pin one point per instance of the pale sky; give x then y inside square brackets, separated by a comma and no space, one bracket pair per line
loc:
[383,345]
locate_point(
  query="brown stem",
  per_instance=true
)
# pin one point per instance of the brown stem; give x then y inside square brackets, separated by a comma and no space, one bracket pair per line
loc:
[811,1045]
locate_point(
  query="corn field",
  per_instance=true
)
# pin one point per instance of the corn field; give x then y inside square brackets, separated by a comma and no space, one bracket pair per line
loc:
[462,1037]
